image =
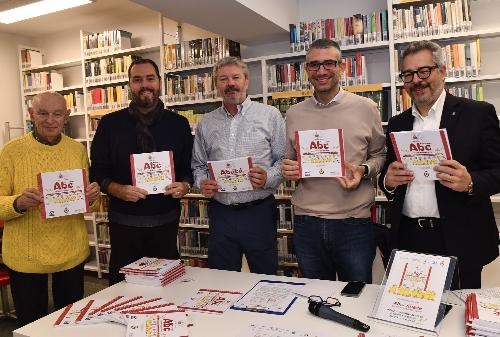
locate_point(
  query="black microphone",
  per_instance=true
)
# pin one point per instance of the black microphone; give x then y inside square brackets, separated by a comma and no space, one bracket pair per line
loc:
[325,311]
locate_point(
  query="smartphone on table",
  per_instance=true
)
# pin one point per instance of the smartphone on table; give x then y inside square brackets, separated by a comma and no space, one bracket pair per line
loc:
[353,289]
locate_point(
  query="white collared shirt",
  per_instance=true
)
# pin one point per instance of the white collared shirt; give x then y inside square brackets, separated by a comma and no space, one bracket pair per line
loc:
[420,199]
[334,99]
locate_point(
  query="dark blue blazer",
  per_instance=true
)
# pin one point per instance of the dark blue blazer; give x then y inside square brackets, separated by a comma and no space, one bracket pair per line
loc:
[468,221]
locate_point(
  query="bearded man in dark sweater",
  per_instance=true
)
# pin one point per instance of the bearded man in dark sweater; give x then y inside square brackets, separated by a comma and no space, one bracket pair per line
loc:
[141,224]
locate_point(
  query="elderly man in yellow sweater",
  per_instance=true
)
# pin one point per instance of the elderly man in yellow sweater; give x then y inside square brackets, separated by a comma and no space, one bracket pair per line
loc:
[32,246]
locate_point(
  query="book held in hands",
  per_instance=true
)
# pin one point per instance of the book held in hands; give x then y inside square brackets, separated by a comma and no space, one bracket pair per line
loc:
[152,171]
[231,175]
[320,153]
[63,193]
[421,151]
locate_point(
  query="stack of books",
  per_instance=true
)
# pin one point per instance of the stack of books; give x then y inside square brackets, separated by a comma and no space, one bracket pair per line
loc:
[482,315]
[153,271]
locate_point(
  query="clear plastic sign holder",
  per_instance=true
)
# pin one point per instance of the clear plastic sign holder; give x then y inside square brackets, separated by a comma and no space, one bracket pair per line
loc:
[413,287]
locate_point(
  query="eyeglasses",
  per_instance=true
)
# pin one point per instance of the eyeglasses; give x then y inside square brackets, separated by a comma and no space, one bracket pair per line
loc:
[56,115]
[422,73]
[329,302]
[328,65]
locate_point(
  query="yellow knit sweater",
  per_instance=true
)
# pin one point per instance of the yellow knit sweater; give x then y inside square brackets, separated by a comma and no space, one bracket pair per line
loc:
[31,244]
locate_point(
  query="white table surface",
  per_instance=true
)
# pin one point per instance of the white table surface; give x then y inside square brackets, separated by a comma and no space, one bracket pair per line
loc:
[232,322]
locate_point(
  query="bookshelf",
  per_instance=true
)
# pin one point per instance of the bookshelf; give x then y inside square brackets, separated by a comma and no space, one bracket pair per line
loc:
[380,63]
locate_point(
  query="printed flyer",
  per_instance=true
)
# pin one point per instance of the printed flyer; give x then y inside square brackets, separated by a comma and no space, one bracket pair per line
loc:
[63,193]
[320,153]
[152,171]
[420,151]
[413,291]
[231,175]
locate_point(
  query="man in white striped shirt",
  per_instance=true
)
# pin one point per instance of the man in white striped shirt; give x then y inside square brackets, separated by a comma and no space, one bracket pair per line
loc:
[241,222]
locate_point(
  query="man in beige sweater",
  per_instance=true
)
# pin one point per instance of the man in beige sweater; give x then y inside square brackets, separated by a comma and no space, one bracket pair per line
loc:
[333,229]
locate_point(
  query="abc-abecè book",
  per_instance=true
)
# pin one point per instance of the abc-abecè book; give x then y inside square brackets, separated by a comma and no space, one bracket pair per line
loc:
[63,193]
[232,174]
[152,171]
[421,151]
[320,153]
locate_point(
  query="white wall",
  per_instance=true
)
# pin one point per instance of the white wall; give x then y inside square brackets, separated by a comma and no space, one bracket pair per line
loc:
[10,110]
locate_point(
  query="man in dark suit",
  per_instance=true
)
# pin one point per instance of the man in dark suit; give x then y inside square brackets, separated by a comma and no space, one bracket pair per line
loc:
[453,215]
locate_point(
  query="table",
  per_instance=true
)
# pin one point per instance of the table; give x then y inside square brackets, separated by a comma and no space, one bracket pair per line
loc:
[232,322]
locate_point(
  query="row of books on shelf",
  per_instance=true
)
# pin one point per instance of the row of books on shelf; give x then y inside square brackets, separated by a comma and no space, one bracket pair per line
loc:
[108,69]
[286,252]
[103,233]
[192,117]
[434,18]
[104,254]
[193,242]
[473,91]
[199,52]
[194,212]
[74,101]
[30,58]
[352,30]
[95,44]
[195,262]
[462,59]
[293,76]
[189,87]
[41,81]
[114,97]
[380,214]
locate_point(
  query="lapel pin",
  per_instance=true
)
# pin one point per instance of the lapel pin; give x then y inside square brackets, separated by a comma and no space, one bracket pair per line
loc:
[453,113]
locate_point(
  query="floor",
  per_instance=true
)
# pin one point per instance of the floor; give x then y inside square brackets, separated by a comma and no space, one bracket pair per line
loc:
[93,284]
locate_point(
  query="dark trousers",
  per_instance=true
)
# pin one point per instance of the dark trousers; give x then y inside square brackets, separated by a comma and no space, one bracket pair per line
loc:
[414,238]
[129,244]
[251,231]
[30,292]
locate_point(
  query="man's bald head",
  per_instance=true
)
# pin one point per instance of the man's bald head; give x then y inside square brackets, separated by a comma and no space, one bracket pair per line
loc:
[49,114]
[49,98]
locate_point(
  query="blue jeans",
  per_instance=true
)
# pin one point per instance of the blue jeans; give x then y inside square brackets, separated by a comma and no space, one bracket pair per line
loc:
[326,248]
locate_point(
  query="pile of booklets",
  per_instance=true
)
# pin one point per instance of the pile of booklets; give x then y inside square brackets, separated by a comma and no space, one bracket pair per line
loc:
[142,316]
[482,315]
[153,271]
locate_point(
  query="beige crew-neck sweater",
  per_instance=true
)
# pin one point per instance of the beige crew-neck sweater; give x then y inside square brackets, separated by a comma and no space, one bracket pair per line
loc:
[364,143]
[30,243]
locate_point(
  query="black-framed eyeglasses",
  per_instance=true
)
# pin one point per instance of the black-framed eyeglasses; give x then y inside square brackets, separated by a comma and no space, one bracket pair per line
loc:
[422,73]
[329,302]
[327,64]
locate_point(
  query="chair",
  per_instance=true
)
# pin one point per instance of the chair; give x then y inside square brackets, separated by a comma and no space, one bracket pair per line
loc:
[4,283]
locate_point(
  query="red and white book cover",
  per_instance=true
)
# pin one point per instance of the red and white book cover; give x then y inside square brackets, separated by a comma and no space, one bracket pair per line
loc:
[211,301]
[231,175]
[152,171]
[320,153]
[150,266]
[172,324]
[421,151]
[63,193]
[482,315]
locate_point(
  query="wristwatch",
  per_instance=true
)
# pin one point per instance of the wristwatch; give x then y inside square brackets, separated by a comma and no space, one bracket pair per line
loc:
[188,186]
[367,170]
[470,188]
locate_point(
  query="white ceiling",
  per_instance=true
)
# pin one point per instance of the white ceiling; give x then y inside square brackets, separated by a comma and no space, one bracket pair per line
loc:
[75,18]
[225,17]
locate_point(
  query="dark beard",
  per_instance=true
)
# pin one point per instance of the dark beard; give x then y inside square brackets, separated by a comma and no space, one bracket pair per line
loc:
[146,103]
